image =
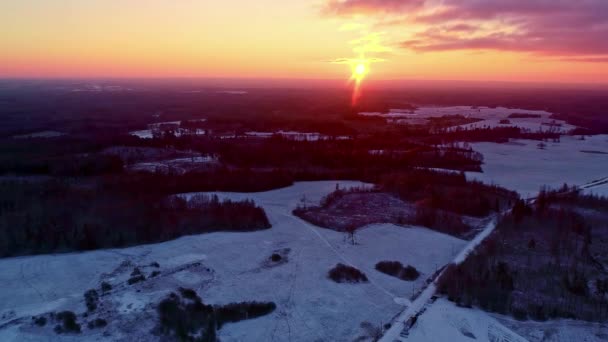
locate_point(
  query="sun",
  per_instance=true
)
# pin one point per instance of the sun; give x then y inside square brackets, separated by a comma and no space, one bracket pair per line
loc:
[360,70]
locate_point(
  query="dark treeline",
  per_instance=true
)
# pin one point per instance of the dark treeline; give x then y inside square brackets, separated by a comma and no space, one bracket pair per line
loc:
[59,216]
[489,134]
[544,261]
[442,198]
[340,154]
[185,317]
[449,191]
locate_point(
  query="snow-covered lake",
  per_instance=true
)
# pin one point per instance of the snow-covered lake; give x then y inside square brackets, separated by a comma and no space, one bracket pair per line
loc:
[520,165]
[490,117]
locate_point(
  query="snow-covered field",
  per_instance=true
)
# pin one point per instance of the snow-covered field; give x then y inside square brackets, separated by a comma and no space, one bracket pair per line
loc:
[520,165]
[41,134]
[444,321]
[491,117]
[174,125]
[234,267]
[294,135]
[562,330]
[176,166]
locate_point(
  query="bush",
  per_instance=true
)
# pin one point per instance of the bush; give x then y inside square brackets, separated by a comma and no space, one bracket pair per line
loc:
[68,323]
[396,269]
[106,287]
[136,279]
[235,312]
[40,321]
[97,323]
[346,274]
[275,257]
[91,298]
[154,274]
[189,294]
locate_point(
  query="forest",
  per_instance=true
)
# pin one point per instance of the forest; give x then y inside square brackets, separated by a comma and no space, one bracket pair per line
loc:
[53,216]
[545,260]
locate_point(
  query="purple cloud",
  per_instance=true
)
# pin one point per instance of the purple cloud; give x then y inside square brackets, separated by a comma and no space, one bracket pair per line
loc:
[566,28]
[352,7]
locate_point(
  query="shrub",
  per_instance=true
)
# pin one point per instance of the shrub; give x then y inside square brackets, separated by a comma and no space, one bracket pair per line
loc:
[275,257]
[68,323]
[155,264]
[235,312]
[136,279]
[106,287]
[40,321]
[97,323]
[91,298]
[154,274]
[189,294]
[346,274]
[396,269]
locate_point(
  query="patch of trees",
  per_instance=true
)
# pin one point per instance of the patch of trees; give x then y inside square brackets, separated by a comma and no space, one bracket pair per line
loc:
[91,299]
[67,322]
[62,156]
[346,274]
[398,153]
[450,192]
[538,264]
[433,194]
[523,116]
[396,269]
[479,281]
[217,179]
[185,317]
[59,216]
[499,134]
[570,195]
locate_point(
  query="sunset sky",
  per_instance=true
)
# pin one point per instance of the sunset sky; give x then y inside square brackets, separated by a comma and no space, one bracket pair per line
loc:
[494,40]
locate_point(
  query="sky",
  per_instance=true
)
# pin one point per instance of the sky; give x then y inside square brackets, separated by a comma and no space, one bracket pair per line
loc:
[474,40]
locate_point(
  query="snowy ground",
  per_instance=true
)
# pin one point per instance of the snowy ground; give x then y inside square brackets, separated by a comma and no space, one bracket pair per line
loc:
[562,330]
[444,321]
[174,166]
[41,134]
[520,165]
[490,117]
[234,267]
[294,135]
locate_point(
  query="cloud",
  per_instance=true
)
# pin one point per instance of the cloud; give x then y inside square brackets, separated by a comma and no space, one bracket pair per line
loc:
[367,7]
[559,28]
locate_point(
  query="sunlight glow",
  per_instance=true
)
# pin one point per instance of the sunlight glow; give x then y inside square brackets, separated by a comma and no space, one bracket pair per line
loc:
[359,71]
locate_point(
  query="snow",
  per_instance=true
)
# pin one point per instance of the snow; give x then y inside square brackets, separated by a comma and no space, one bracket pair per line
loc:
[561,330]
[41,134]
[490,117]
[422,301]
[149,133]
[521,166]
[294,135]
[177,165]
[143,134]
[444,321]
[309,305]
